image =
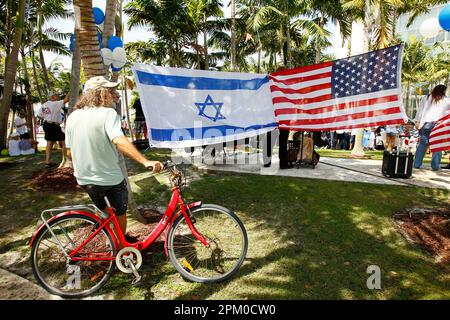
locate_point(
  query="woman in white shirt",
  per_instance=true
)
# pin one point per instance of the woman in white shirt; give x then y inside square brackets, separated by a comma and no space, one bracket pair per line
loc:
[20,123]
[431,109]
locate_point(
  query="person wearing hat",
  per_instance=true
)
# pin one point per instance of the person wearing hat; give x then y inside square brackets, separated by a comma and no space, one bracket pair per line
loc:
[50,113]
[93,137]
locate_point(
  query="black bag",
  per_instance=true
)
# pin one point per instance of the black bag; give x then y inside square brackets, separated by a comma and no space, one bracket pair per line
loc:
[397,164]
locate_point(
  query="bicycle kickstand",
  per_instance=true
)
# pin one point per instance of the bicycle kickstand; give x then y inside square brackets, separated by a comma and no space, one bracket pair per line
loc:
[136,274]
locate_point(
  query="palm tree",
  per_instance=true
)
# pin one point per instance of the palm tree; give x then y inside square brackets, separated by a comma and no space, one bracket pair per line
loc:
[39,12]
[10,72]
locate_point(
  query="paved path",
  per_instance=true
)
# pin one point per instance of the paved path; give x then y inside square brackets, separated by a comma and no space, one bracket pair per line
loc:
[14,287]
[337,169]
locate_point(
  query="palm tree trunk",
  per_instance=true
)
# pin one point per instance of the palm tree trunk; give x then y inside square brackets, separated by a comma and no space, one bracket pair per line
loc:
[288,37]
[44,71]
[89,46]
[35,76]
[233,35]
[10,73]
[76,68]
[29,100]
[205,43]
[109,24]
[119,33]
[318,47]
[8,27]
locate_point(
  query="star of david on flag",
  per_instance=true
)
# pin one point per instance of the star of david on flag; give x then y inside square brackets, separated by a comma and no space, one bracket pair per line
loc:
[209,106]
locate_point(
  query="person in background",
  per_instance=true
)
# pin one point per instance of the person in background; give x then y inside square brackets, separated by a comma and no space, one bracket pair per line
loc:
[21,124]
[51,114]
[431,109]
[391,135]
[139,120]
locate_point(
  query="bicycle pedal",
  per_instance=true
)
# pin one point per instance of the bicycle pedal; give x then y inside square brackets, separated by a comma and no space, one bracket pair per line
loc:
[136,281]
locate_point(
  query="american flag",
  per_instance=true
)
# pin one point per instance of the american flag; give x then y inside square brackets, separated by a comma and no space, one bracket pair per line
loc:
[356,92]
[440,135]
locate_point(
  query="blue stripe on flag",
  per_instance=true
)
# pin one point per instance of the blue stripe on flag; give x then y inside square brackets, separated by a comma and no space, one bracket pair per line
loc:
[199,83]
[183,134]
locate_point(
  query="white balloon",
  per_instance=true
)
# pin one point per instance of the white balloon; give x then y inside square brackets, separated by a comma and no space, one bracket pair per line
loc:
[119,57]
[107,55]
[430,28]
[101,26]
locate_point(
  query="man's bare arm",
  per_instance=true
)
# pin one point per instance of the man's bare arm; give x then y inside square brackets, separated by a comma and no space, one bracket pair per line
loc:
[127,148]
[69,153]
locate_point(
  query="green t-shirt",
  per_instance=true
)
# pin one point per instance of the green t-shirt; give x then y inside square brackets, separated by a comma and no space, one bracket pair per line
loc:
[89,135]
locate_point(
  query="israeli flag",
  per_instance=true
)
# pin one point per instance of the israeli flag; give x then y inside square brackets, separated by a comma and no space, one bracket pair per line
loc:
[188,108]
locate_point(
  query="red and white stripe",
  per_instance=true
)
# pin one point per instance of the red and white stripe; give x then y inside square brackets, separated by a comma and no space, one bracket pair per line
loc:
[440,135]
[303,101]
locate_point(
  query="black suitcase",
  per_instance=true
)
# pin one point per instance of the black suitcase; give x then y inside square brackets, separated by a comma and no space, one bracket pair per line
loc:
[397,164]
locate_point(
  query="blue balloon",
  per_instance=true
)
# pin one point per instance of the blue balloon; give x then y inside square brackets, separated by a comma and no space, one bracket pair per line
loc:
[115,69]
[72,37]
[444,18]
[99,16]
[71,46]
[114,42]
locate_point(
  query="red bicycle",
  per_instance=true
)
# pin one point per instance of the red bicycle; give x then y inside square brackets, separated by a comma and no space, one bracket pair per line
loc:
[74,253]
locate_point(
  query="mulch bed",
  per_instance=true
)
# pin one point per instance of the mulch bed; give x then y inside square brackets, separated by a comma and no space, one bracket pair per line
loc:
[430,229]
[55,180]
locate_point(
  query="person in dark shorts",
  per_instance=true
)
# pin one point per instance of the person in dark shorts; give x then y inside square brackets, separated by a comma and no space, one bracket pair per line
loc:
[93,137]
[140,125]
[51,115]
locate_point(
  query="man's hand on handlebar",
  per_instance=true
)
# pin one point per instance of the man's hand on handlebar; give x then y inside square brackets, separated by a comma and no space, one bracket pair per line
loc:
[155,166]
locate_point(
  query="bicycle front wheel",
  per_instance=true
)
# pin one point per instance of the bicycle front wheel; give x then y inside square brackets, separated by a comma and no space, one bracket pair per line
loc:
[62,276]
[228,244]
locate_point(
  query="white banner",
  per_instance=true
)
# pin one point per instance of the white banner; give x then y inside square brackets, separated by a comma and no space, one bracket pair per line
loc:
[187,108]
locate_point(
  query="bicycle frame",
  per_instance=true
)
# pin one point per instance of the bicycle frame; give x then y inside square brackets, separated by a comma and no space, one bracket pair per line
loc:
[166,221]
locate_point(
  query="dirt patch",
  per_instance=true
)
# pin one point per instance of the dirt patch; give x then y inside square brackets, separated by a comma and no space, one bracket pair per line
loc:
[55,180]
[430,229]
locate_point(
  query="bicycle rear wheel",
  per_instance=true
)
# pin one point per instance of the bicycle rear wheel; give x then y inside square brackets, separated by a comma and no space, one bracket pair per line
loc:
[73,279]
[227,250]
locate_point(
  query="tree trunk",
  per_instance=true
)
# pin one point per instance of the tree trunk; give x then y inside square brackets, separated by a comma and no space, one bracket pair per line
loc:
[318,47]
[109,24]
[10,73]
[89,46]
[76,65]
[119,33]
[8,27]
[35,76]
[205,43]
[29,100]
[288,37]
[233,35]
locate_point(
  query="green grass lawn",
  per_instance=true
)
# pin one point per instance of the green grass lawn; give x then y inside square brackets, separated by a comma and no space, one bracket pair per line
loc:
[373,155]
[308,239]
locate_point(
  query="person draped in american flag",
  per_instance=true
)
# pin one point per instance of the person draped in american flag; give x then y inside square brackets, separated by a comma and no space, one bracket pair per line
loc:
[431,109]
